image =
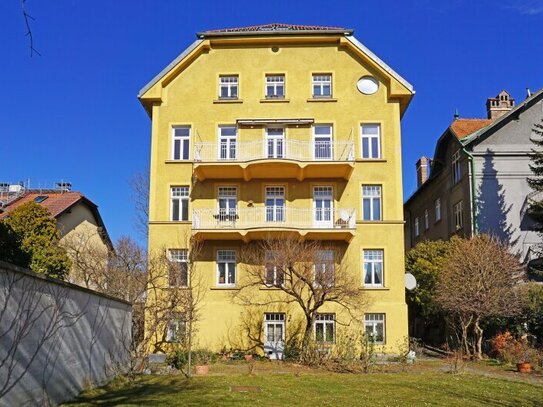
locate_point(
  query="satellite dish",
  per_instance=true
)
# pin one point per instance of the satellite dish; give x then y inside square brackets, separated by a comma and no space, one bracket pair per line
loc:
[344,215]
[410,281]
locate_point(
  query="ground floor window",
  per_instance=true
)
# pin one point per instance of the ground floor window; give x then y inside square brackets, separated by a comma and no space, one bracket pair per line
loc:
[226,267]
[325,328]
[374,325]
[176,329]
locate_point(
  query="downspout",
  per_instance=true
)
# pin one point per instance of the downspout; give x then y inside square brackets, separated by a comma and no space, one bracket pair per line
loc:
[472,193]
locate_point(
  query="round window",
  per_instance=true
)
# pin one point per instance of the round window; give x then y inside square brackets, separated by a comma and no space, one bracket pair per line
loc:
[367,85]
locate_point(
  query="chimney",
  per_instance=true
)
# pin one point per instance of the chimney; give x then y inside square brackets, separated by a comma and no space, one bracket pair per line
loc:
[500,105]
[423,170]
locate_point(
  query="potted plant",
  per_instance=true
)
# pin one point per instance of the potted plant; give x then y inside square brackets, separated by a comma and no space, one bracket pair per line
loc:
[527,356]
[248,357]
[202,359]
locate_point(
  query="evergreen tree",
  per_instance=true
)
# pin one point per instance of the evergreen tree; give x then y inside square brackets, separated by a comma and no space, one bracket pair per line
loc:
[36,231]
[536,183]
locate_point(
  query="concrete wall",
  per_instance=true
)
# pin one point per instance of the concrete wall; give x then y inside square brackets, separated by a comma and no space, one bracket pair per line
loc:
[56,338]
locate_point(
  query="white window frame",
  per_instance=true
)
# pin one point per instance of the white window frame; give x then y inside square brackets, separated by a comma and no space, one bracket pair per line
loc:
[178,138]
[229,258]
[372,320]
[275,140]
[417,227]
[323,151]
[324,264]
[458,211]
[227,193]
[426,220]
[177,257]
[229,82]
[325,319]
[326,215]
[373,258]
[321,81]
[371,154]
[181,195]
[277,212]
[176,329]
[437,204]
[229,141]
[372,194]
[277,272]
[456,168]
[275,82]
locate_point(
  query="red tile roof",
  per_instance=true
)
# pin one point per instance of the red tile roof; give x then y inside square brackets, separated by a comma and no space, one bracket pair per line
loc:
[464,127]
[277,27]
[56,201]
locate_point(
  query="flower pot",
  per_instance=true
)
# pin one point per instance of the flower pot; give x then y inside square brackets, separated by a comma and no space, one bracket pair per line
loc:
[201,369]
[248,358]
[524,367]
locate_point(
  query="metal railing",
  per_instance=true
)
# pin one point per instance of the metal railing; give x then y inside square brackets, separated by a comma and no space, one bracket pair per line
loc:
[274,217]
[233,151]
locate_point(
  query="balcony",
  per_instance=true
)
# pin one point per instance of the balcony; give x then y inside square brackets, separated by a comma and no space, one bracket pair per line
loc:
[261,222]
[273,159]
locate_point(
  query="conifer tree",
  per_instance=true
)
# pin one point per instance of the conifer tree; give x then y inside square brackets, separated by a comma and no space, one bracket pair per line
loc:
[536,183]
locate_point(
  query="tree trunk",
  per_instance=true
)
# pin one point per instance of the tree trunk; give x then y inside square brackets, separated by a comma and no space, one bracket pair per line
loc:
[478,338]
[307,333]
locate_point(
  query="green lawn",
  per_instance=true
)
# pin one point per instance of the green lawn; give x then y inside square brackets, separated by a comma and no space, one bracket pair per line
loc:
[305,388]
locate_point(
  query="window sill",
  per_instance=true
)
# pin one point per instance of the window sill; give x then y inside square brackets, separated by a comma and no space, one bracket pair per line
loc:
[375,288]
[228,101]
[168,222]
[322,99]
[178,161]
[225,288]
[275,100]
[371,160]
[265,288]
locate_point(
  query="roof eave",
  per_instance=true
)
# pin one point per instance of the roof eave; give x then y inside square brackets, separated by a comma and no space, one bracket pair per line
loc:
[211,34]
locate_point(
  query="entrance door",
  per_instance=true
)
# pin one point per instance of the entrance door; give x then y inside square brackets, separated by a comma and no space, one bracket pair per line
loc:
[275,141]
[274,335]
[323,202]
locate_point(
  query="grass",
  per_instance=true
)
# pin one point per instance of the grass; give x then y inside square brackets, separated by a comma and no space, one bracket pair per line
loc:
[287,386]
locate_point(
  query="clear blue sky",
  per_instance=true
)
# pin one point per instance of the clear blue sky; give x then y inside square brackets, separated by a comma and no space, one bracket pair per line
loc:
[73,114]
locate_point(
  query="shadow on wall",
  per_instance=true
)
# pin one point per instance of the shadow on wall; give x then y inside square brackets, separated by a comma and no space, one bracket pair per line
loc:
[492,209]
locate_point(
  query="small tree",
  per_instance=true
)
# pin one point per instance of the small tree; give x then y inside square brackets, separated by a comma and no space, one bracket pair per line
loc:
[305,273]
[478,282]
[39,238]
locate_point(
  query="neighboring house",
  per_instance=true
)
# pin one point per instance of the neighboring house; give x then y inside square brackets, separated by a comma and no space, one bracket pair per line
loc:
[78,219]
[266,130]
[476,182]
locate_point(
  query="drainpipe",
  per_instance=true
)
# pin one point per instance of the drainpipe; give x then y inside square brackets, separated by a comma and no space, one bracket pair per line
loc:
[472,193]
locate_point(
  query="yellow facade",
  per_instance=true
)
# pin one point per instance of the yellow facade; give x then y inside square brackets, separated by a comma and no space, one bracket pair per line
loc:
[187,94]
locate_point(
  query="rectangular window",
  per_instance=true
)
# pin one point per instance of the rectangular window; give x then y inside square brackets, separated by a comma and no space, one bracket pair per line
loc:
[371,140]
[456,168]
[374,325]
[373,268]
[438,209]
[417,229]
[176,329]
[426,220]
[322,137]
[275,204]
[325,328]
[371,202]
[324,268]
[227,142]
[275,138]
[323,205]
[274,270]
[458,215]
[178,267]
[228,86]
[322,85]
[179,203]
[275,86]
[226,267]
[180,142]
[228,202]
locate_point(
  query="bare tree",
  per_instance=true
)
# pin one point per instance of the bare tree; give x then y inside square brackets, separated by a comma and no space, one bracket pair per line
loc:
[139,183]
[306,273]
[27,18]
[477,282]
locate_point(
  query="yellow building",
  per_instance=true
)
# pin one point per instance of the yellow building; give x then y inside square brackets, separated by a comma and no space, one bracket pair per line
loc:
[274,129]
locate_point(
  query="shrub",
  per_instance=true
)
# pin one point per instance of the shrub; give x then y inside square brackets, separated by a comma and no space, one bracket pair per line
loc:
[508,349]
[177,359]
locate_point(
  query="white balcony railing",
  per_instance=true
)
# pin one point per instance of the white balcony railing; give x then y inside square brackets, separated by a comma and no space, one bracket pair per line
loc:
[233,151]
[273,217]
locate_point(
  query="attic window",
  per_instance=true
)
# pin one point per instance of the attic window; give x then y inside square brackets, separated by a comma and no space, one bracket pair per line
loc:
[40,198]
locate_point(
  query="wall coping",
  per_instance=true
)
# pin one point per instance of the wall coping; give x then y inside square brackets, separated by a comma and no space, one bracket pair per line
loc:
[43,277]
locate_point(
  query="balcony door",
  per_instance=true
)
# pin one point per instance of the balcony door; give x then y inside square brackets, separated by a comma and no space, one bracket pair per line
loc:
[227,143]
[275,142]
[322,138]
[227,202]
[323,206]
[275,204]
[274,335]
